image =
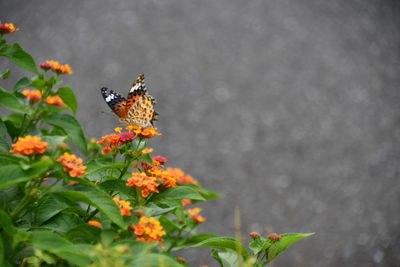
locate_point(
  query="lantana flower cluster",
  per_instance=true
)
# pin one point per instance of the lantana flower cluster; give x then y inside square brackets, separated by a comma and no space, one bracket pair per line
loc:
[35,96]
[29,145]
[149,230]
[124,206]
[7,28]
[56,67]
[72,165]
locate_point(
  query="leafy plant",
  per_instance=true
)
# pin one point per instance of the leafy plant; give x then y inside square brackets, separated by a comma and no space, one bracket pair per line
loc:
[120,207]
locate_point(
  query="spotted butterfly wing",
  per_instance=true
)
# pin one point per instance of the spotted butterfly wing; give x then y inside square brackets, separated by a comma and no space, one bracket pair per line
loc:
[137,109]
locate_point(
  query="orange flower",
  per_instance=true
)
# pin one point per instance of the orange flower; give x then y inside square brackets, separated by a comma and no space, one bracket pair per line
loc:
[146,184]
[149,230]
[7,28]
[33,95]
[195,215]
[274,237]
[124,206]
[72,165]
[95,223]
[56,67]
[29,145]
[181,177]
[149,132]
[186,202]
[55,101]
[159,160]
[165,178]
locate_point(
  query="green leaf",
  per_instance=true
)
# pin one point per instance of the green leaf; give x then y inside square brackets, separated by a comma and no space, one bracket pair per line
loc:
[97,165]
[62,222]
[286,241]
[22,83]
[178,192]
[68,96]
[53,243]
[98,198]
[5,74]
[4,145]
[118,185]
[20,57]
[72,127]
[10,101]
[6,224]
[224,243]
[259,244]
[6,159]
[53,141]
[152,259]
[208,195]
[50,207]
[14,173]
[228,258]
[38,82]
[84,233]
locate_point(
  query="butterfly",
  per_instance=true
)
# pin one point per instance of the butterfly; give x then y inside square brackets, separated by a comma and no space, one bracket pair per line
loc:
[137,108]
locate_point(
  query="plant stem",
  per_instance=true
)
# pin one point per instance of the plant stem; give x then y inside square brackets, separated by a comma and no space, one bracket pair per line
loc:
[175,241]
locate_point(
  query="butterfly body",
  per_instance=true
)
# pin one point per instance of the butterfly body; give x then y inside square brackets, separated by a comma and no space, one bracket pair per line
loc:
[137,108]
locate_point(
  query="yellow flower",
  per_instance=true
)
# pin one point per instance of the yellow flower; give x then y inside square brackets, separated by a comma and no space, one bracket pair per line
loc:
[29,145]
[118,129]
[146,151]
[134,129]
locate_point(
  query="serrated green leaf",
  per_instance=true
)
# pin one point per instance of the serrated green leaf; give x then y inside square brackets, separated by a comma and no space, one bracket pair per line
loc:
[14,173]
[6,224]
[10,101]
[68,96]
[22,83]
[62,222]
[146,158]
[84,233]
[224,243]
[20,57]
[286,241]
[72,127]
[259,244]
[38,82]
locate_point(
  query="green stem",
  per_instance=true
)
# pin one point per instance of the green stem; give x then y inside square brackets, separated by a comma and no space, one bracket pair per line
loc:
[128,161]
[175,241]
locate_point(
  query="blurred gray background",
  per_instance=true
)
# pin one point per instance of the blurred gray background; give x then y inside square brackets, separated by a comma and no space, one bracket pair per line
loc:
[288,109]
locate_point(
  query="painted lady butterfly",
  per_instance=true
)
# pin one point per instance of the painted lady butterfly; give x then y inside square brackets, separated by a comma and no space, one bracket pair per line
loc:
[137,109]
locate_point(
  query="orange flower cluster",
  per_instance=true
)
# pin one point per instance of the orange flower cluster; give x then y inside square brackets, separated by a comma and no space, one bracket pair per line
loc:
[55,101]
[95,224]
[147,184]
[111,141]
[29,145]
[159,160]
[124,206]
[56,67]
[181,177]
[196,217]
[7,28]
[34,96]
[165,178]
[149,230]
[72,165]
[145,133]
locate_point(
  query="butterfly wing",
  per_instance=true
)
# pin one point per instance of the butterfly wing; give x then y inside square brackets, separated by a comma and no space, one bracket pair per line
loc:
[115,101]
[140,105]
